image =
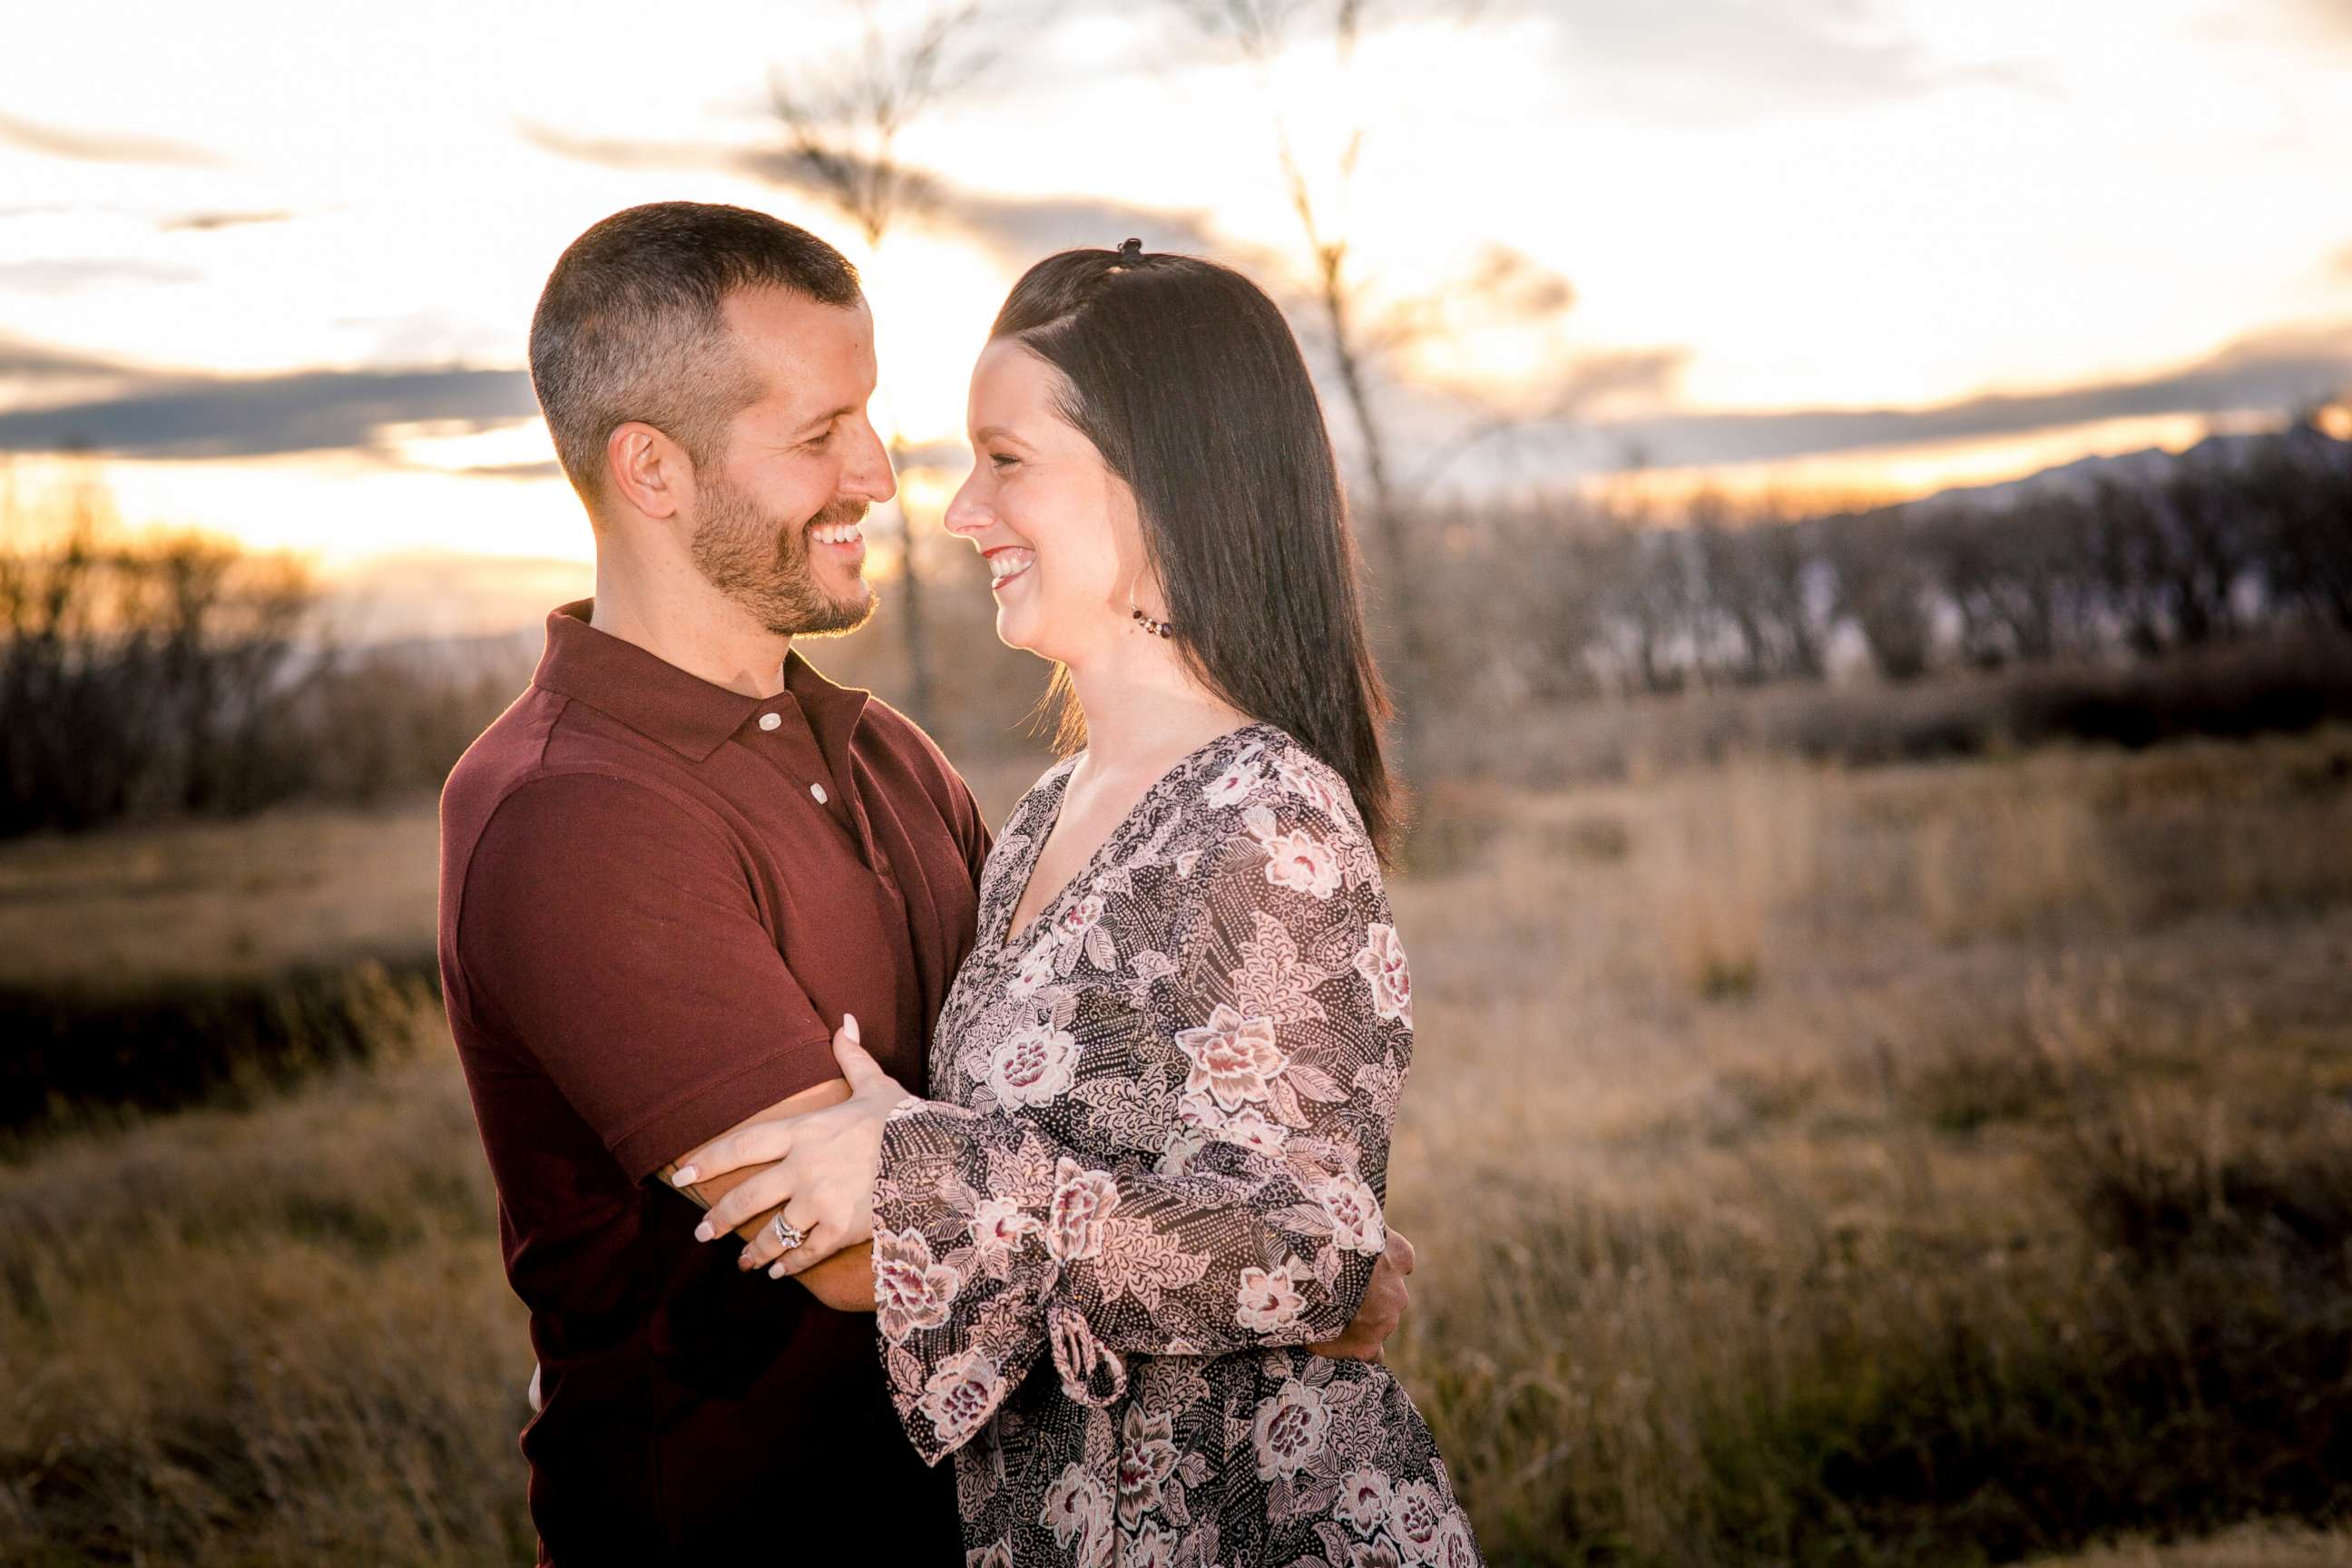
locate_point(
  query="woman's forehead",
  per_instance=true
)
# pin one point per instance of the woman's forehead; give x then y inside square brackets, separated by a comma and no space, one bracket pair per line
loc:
[1009,379]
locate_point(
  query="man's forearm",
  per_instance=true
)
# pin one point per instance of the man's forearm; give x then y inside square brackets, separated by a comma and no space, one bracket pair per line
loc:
[843,1281]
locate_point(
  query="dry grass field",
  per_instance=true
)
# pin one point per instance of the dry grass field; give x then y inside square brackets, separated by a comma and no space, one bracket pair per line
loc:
[1928,1164]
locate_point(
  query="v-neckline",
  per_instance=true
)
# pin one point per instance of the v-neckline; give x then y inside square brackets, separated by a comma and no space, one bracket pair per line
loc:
[1010,941]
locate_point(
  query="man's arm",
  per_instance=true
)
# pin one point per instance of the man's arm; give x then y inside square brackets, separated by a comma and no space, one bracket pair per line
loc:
[610,929]
[843,1281]
[1382,1310]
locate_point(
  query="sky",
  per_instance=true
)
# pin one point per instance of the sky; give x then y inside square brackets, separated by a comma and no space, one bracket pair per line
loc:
[268,268]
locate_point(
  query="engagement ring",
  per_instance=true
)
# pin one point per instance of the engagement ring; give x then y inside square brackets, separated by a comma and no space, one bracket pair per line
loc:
[787,1232]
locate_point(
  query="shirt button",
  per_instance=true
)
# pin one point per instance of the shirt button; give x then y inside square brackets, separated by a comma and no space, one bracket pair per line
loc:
[770,720]
[818,791]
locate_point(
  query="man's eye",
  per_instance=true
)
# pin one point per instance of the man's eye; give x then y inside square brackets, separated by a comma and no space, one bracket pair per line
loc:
[820,440]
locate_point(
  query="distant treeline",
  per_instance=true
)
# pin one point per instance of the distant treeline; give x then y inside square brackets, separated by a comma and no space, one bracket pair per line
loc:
[164,673]
[1553,601]
[154,674]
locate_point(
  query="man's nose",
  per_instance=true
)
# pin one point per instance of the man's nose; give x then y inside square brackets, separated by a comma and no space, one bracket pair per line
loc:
[872,475]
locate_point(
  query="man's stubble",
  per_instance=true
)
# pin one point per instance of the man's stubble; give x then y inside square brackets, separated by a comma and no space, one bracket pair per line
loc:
[763,564]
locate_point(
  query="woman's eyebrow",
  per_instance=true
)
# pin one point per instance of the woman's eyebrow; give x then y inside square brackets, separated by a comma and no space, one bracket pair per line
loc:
[997,433]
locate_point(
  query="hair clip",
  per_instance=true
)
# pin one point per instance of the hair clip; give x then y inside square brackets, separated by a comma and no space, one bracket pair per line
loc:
[1130,250]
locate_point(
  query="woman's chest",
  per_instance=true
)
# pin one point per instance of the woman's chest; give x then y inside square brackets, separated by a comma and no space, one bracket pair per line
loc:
[1069,1031]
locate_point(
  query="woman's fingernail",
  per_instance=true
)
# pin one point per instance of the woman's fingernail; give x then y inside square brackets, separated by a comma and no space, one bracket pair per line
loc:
[703,1232]
[743,1260]
[684,1177]
[850,1027]
[775,1271]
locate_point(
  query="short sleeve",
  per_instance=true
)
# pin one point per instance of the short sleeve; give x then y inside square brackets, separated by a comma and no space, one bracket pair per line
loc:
[612,932]
[971,829]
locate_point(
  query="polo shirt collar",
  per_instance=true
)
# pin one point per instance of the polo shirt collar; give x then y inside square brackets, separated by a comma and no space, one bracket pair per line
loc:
[684,713]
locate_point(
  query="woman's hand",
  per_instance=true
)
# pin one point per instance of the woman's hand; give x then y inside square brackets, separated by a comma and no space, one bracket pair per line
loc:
[823,1170]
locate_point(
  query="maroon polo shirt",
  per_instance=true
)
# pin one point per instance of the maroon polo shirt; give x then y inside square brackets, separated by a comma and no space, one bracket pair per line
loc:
[657,898]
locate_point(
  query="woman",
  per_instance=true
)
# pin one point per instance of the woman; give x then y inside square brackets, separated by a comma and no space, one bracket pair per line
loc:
[1150,1172]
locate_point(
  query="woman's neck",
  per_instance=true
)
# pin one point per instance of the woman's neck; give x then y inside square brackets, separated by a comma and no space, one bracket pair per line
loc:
[1144,707]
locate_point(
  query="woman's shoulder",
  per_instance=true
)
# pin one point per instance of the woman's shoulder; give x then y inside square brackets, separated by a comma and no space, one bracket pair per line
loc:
[1270,780]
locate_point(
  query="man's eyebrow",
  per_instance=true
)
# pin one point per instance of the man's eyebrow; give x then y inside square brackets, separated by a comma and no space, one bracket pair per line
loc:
[815,420]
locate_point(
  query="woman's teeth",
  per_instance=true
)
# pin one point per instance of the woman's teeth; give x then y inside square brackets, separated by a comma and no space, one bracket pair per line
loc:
[1006,564]
[838,533]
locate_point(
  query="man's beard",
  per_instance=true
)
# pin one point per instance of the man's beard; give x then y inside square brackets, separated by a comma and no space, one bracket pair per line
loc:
[763,564]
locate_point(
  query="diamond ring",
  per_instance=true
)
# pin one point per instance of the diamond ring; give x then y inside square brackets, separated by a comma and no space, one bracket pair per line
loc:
[787,1232]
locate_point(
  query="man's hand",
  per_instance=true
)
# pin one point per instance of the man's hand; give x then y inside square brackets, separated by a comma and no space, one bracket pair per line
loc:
[1383,1307]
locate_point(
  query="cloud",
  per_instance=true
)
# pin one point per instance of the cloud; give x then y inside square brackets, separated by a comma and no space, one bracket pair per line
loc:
[93,147]
[64,276]
[2331,19]
[2266,372]
[206,222]
[335,410]
[256,416]
[1017,230]
[1716,61]
[545,469]
[23,361]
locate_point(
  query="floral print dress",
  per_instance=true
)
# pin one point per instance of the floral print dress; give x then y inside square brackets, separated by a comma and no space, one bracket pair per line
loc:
[1151,1170]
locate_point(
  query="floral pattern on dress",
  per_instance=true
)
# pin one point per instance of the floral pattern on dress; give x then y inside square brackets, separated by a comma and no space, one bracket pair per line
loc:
[1148,1173]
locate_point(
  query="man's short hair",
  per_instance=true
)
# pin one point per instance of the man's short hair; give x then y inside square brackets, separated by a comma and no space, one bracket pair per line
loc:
[629,325]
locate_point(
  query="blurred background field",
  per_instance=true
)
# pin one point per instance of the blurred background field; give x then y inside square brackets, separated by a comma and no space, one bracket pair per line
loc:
[1934,1163]
[1856,498]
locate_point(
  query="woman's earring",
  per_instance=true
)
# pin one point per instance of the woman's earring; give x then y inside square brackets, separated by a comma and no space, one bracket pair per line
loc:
[1150,627]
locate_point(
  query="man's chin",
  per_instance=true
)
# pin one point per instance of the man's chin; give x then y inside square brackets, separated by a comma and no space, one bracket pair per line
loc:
[844,615]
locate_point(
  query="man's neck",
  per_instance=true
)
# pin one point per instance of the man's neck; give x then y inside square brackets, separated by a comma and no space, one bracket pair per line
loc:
[681,620]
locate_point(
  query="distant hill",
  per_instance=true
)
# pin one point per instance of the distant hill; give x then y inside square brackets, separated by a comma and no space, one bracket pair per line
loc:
[2149,467]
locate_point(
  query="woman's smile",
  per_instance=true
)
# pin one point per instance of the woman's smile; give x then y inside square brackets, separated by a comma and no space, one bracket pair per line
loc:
[1007,562]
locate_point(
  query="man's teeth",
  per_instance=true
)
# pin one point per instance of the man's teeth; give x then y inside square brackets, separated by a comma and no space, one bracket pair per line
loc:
[836,534]
[1005,563]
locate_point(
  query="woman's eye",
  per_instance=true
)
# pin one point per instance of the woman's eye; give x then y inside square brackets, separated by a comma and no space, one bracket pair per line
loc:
[1003,459]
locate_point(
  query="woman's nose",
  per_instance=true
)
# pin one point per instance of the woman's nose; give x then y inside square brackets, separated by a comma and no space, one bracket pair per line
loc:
[965,515]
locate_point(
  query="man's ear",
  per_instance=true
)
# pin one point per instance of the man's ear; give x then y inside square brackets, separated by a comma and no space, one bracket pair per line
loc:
[649,470]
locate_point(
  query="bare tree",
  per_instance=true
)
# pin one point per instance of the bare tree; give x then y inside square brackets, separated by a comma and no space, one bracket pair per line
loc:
[2300,494]
[1885,586]
[843,119]
[1753,572]
[141,673]
[1361,332]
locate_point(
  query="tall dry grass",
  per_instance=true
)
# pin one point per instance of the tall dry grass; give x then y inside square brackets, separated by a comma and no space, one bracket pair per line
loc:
[1937,1164]
[275,1336]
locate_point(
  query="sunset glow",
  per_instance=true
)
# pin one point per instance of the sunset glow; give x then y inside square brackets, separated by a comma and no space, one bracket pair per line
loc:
[2130,221]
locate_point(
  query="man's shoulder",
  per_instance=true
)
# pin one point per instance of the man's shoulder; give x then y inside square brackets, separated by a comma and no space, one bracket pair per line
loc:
[514,744]
[539,765]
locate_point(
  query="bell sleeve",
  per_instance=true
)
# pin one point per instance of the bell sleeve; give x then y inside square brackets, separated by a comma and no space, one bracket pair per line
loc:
[1285,1031]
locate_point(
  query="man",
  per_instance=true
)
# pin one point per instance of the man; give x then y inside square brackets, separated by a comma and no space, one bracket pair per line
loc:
[668,870]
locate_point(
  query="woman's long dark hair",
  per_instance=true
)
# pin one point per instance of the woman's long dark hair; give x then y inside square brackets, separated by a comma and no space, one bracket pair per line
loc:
[1187,379]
